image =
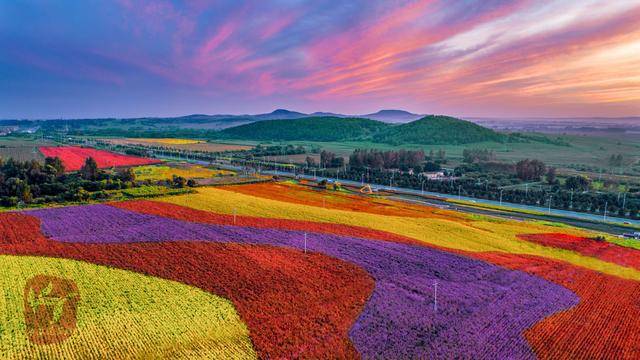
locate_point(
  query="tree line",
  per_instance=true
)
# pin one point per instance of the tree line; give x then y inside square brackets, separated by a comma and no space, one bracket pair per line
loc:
[33,182]
[377,159]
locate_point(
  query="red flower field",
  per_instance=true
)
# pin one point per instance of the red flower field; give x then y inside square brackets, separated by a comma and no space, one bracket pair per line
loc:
[178,212]
[73,157]
[292,303]
[605,323]
[19,229]
[569,332]
[590,247]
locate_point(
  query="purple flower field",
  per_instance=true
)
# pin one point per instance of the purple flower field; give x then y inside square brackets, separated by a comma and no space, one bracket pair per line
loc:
[474,298]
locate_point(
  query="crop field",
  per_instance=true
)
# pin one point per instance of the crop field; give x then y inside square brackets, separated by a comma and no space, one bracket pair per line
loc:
[588,150]
[73,157]
[22,149]
[166,141]
[182,144]
[187,171]
[280,270]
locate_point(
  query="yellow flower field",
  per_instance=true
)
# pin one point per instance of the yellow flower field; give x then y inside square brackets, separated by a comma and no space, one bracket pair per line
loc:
[163,172]
[478,235]
[129,315]
[168,141]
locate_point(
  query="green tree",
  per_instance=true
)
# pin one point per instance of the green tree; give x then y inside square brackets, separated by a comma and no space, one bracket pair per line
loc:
[178,181]
[127,175]
[551,176]
[54,165]
[89,171]
[577,183]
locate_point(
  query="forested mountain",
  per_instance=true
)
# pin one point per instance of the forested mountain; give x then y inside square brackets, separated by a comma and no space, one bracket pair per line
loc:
[438,129]
[428,130]
[324,128]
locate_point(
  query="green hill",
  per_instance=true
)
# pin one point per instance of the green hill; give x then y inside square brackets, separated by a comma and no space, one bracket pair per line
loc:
[430,130]
[324,128]
[437,130]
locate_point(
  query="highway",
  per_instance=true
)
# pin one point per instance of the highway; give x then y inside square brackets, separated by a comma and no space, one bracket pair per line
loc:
[537,209]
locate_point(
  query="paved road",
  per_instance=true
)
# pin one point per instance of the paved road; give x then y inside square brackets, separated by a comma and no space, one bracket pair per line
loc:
[539,209]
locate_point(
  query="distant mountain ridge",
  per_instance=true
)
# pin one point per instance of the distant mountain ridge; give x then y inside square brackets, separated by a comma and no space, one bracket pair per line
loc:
[283,125]
[392,116]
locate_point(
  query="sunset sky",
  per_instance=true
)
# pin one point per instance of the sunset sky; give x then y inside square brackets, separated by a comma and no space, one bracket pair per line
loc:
[522,58]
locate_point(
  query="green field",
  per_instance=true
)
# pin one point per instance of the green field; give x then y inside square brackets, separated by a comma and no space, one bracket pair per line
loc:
[582,150]
[592,150]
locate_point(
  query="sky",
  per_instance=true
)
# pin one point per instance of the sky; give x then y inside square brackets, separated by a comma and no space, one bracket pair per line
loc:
[489,58]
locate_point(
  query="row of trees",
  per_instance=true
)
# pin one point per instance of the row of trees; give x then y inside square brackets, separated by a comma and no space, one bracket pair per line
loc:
[478,155]
[329,159]
[377,159]
[530,170]
[573,196]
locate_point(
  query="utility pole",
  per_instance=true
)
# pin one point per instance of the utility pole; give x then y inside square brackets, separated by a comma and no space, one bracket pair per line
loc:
[606,204]
[550,196]
[459,192]
[501,196]
[624,202]
[435,296]
[422,188]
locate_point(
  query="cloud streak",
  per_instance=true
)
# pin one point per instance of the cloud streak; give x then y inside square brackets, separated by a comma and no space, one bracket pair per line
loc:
[483,57]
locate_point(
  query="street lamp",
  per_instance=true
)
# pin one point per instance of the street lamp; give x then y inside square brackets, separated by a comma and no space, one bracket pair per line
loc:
[571,202]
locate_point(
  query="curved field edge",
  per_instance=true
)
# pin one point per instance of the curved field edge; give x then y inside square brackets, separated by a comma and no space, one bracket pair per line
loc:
[575,331]
[312,196]
[73,157]
[160,318]
[600,249]
[288,311]
[397,320]
[605,323]
[475,236]
[165,172]
[300,193]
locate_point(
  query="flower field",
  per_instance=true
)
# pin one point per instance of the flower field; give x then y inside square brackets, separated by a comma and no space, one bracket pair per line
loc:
[73,157]
[187,171]
[285,271]
[181,144]
[168,141]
